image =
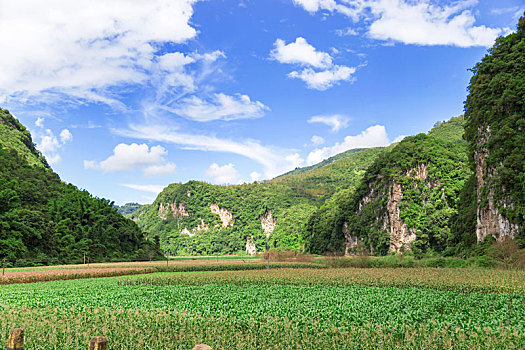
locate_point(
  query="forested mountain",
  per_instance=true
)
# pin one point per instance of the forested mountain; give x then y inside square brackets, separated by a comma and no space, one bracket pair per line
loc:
[128,208]
[44,220]
[443,192]
[199,218]
[495,130]
[406,200]
[229,219]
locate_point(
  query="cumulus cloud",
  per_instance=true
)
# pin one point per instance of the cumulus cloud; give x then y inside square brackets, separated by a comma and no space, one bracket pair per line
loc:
[220,107]
[226,174]
[39,122]
[300,52]
[81,48]
[324,80]
[351,9]
[132,157]
[145,188]
[336,121]
[320,72]
[50,145]
[374,136]
[317,140]
[419,22]
[65,136]
[255,176]
[274,160]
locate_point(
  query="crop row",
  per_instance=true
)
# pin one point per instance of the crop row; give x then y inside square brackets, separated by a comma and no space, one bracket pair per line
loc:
[339,306]
[447,279]
[161,329]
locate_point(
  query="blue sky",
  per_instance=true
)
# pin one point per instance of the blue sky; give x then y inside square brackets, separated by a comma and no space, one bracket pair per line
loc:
[126,97]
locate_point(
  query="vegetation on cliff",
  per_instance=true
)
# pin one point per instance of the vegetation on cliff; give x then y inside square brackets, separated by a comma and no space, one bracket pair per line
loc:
[495,130]
[406,200]
[44,220]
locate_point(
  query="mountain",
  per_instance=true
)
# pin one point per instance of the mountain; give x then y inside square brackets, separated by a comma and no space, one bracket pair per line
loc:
[444,192]
[128,208]
[199,218]
[44,220]
[407,199]
[495,130]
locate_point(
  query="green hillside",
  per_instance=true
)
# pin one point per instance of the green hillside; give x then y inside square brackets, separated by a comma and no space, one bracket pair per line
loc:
[406,200]
[43,220]
[285,204]
[327,161]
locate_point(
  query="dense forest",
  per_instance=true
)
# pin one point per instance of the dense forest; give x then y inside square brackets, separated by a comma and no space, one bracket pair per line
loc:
[45,221]
[269,214]
[495,130]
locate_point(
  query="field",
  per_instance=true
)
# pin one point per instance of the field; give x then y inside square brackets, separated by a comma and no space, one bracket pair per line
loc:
[307,308]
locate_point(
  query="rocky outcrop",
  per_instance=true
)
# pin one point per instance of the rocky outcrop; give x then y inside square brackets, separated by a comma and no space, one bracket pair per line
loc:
[268,223]
[201,227]
[250,246]
[185,231]
[350,241]
[420,172]
[489,220]
[179,210]
[400,235]
[224,214]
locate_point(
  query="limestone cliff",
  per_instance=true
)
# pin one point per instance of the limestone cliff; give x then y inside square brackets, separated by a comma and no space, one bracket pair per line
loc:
[268,223]
[408,198]
[489,220]
[225,215]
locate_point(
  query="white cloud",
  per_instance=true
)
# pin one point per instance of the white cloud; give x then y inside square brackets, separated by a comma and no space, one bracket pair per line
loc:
[159,170]
[346,32]
[145,188]
[351,9]
[336,122]
[418,22]
[65,136]
[219,107]
[423,23]
[374,136]
[255,176]
[324,80]
[39,122]
[226,174]
[300,52]
[317,140]
[399,138]
[275,161]
[81,48]
[49,144]
[52,159]
[324,76]
[131,157]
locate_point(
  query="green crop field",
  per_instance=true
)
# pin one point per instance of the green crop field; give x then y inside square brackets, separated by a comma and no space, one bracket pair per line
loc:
[284,308]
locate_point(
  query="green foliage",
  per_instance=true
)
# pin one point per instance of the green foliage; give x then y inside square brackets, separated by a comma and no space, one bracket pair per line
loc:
[495,112]
[291,199]
[431,171]
[44,219]
[128,208]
